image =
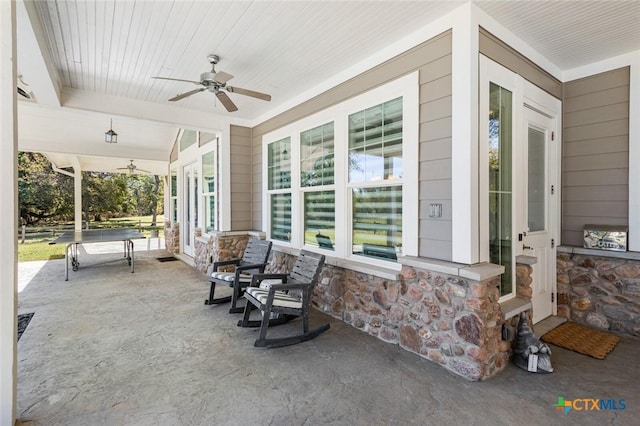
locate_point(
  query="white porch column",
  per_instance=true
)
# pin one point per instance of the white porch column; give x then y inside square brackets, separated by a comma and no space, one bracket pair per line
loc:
[77,196]
[9,214]
[464,143]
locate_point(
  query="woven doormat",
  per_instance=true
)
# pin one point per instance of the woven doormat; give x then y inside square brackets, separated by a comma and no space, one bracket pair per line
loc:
[166,259]
[23,322]
[582,339]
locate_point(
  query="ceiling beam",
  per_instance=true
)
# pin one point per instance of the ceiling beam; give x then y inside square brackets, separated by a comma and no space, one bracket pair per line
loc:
[35,61]
[118,106]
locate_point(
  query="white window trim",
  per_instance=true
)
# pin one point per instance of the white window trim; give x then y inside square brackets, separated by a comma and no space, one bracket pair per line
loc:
[406,87]
[492,72]
[206,193]
[193,154]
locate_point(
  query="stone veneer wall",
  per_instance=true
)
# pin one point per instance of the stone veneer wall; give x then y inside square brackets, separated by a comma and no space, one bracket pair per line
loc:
[602,292]
[453,321]
[219,246]
[172,237]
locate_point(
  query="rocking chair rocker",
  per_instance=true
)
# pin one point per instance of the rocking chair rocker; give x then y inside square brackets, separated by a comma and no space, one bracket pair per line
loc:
[254,259]
[272,294]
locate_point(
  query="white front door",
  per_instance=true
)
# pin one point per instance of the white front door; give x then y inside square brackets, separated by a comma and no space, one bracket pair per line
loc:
[190,208]
[539,204]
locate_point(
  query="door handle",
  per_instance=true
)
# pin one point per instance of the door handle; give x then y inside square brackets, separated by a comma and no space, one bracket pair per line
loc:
[525,247]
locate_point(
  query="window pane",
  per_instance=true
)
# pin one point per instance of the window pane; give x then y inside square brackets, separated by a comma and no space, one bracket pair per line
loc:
[281,217]
[209,213]
[319,219]
[279,164]
[536,180]
[208,172]
[375,143]
[500,176]
[377,221]
[205,138]
[316,156]
[188,138]
[174,209]
[174,183]
[195,198]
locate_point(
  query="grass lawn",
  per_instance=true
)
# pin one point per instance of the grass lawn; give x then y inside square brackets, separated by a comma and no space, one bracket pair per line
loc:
[36,246]
[39,250]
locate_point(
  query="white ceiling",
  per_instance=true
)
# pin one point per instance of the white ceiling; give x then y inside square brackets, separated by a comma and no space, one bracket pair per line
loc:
[89,61]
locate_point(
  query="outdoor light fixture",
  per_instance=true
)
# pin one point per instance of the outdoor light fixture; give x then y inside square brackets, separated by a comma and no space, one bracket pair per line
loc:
[111,136]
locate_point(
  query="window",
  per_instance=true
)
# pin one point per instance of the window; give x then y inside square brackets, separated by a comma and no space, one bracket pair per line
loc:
[209,190]
[375,172]
[500,187]
[188,138]
[279,187]
[345,180]
[317,179]
[174,195]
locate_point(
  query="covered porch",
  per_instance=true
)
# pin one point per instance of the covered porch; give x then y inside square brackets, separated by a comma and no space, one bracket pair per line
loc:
[110,347]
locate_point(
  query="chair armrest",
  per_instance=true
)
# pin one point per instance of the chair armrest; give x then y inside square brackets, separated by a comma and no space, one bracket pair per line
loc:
[259,266]
[220,263]
[256,278]
[290,286]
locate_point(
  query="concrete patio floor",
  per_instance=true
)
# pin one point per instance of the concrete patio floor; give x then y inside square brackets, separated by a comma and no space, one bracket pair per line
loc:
[109,347]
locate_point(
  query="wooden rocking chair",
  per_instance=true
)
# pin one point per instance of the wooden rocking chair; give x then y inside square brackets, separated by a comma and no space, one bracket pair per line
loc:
[272,294]
[253,260]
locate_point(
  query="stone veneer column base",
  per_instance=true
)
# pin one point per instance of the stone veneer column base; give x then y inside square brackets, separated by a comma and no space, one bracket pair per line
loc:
[217,246]
[172,237]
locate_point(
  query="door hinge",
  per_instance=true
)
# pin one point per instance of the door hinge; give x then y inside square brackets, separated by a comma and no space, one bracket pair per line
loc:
[553,189]
[553,297]
[553,243]
[553,136]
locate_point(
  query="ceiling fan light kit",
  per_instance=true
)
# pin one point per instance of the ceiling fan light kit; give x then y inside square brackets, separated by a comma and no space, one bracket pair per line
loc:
[216,82]
[133,169]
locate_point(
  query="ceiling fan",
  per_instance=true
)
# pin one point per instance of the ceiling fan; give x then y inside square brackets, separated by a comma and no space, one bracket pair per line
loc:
[133,168]
[215,82]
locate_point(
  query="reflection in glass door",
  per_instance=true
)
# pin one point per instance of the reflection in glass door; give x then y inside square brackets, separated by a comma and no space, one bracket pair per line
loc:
[190,211]
[500,183]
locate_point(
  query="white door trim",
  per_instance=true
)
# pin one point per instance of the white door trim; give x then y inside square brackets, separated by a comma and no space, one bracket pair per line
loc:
[525,95]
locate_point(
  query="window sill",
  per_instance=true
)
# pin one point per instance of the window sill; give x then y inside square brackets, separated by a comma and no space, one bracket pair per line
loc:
[390,273]
[512,307]
[478,272]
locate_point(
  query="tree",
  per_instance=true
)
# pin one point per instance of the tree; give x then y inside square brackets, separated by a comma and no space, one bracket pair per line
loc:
[146,195]
[104,195]
[43,194]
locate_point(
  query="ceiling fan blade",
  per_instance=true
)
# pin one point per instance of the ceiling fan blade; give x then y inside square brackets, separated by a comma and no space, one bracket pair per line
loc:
[226,101]
[176,79]
[184,95]
[246,92]
[222,77]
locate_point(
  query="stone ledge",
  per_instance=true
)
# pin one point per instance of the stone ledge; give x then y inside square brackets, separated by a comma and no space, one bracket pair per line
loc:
[600,253]
[258,234]
[512,307]
[478,272]
[434,265]
[526,260]
[390,273]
